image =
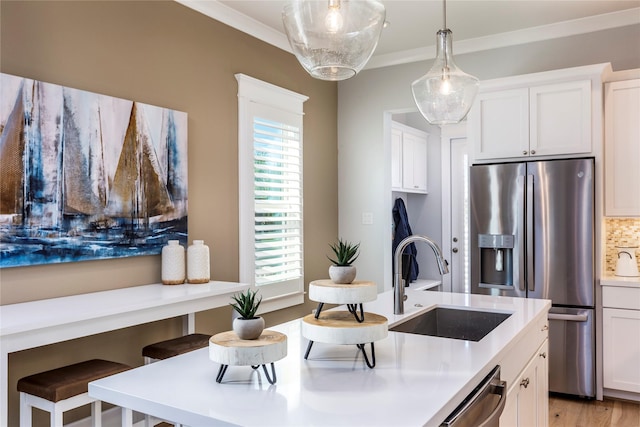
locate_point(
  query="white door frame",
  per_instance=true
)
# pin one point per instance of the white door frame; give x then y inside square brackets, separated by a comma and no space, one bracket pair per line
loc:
[449,132]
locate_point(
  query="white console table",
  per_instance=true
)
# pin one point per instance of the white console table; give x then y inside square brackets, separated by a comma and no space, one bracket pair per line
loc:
[37,323]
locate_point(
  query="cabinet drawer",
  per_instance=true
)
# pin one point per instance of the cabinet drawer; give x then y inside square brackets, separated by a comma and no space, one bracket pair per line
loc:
[619,297]
[514,361]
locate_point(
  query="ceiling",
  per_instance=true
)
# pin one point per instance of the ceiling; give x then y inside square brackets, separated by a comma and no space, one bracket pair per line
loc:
[412,24]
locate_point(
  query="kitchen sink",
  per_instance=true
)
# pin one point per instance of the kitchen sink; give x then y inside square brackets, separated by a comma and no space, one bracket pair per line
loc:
[456,323]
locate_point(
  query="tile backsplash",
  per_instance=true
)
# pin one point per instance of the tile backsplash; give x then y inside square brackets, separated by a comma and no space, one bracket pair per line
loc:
[620,231]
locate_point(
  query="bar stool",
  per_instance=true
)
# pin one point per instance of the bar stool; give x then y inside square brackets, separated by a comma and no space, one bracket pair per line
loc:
[59,390]
[170,348]
[174,347]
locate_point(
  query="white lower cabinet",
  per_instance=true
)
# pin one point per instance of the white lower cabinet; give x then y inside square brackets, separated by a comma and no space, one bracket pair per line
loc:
[621,349]
[528,396]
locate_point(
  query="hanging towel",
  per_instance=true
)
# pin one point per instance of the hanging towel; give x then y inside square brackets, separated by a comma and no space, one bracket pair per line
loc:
[402,229]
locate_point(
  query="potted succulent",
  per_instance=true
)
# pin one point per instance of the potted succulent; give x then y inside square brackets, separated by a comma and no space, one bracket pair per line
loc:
[345,254]
[247,326]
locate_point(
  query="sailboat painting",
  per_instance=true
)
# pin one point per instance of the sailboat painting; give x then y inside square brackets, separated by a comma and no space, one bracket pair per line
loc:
[85,176]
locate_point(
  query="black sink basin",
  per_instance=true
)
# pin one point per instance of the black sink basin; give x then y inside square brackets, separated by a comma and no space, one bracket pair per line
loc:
[460,324]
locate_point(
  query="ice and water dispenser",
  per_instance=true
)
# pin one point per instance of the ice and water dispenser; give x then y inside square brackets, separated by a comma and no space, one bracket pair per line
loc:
[496,260]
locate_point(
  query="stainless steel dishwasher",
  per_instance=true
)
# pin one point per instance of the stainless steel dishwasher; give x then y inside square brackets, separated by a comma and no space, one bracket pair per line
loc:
[481,408]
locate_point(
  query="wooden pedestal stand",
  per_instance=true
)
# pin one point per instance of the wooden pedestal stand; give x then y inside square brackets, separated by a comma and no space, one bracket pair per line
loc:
[344,327]
[227,349]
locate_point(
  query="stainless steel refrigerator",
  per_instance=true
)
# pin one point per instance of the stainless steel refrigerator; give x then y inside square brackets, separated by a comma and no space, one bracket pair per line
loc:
[532,227]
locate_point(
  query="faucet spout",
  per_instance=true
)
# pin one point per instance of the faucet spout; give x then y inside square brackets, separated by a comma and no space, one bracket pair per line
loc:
[398,291]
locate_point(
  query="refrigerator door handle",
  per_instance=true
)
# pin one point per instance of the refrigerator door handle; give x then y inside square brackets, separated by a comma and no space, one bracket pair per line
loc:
[519,248]
[568,317]
[531,285]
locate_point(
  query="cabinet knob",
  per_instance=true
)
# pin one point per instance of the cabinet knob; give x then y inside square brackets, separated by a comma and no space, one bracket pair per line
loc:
[454,250]
[533,151]
[545,328]
[524,383]
[543,354]
[525,152]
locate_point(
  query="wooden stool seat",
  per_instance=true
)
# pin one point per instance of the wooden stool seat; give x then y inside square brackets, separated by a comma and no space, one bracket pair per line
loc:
[173,347]
[61,389]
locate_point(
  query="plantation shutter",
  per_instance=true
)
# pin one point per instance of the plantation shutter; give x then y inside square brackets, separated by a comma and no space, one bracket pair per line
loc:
[270,148]
[278,201]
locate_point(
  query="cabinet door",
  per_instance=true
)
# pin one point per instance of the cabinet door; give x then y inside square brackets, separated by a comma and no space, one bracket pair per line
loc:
[509,417]
[499,124]
[414,162]
[528,400]
[396,158]
[560,118]
[622,148]
[542,385]
[621,349]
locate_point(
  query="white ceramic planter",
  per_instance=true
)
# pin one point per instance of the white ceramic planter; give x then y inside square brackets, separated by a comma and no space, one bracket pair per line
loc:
[342,274]
[248,329]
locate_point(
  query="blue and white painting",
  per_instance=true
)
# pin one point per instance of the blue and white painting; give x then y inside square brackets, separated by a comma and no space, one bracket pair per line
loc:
[87,176]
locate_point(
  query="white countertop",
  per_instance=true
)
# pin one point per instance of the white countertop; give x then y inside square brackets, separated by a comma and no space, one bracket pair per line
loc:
[612,280]
[417,379]
[424,284]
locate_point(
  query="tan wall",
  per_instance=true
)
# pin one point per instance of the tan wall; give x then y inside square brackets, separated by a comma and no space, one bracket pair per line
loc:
[162,53]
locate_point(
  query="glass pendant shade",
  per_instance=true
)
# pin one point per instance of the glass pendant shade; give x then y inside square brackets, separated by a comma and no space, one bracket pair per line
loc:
[333,39]
[445,94]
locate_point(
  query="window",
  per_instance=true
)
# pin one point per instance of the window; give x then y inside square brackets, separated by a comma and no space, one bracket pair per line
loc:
[270,185]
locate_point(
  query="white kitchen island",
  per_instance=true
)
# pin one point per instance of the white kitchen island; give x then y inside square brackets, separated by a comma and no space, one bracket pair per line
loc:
[418,380]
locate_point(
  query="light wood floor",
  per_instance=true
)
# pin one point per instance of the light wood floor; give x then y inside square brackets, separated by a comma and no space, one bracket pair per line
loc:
[566,412]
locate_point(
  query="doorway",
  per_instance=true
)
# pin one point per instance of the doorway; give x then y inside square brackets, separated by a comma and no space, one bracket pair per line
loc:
[455,207]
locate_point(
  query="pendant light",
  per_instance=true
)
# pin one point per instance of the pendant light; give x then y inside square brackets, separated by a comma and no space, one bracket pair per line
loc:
[445,94]
[333,39]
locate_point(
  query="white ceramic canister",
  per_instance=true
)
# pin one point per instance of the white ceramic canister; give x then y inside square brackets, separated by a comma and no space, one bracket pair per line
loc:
[173,263]
[627,264]
[198,262]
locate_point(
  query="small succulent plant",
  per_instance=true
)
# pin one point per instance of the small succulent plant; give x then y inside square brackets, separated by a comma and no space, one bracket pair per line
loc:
[246,304]
[345,253]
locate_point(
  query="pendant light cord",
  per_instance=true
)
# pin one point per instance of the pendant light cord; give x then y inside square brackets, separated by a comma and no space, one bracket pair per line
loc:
[444,13]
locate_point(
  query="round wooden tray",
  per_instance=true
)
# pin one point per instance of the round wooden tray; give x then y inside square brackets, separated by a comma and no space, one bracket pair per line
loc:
[226,348]
[357,292]
[340,327]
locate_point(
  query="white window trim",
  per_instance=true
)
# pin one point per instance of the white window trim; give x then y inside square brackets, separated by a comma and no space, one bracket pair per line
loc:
[253,91]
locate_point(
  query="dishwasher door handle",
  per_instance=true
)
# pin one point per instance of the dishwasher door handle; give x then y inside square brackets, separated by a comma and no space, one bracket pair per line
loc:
[491,385]
[493,418]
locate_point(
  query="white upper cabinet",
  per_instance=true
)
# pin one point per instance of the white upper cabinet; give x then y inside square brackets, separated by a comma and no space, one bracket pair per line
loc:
[500,124]
[560,117]
[408,159]
[622,148]
[547,115]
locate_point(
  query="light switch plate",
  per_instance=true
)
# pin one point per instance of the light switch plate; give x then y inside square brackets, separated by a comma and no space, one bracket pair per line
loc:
[367,218]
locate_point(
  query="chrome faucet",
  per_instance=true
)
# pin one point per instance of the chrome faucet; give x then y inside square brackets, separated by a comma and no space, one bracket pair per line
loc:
[398,292]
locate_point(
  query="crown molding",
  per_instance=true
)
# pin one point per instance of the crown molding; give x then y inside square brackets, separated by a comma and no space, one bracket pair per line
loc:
[218,11]
[231,17]
[528,35]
